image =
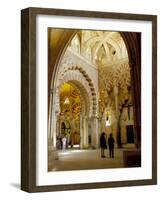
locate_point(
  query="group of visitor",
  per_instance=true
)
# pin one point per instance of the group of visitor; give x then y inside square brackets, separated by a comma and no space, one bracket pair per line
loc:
[62,142]
[104,144]
[109,144]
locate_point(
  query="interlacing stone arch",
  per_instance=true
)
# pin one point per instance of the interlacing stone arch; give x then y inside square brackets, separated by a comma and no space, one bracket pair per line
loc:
[84,97]
[77,74]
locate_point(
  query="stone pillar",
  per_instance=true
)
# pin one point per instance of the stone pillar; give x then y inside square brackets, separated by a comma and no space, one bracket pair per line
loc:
[81,131]
[60,121]
[50,116]
[58,125]
[116,100]
[100,125]
[102,119]
[54,125]
[53,130]
[85,132]
[95,134]
[50,140]
[117,116]
[52,148]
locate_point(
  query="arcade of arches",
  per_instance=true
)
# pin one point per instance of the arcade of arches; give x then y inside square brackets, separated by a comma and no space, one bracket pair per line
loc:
[91,89]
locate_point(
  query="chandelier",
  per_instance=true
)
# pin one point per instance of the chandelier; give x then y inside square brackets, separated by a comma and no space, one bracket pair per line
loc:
[66,101]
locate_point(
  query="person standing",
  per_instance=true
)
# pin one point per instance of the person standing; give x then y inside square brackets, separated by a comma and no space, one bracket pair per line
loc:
[103,144]
[111,142]
[64,142]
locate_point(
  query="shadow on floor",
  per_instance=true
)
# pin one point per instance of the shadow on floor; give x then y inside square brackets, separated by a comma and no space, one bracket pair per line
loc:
[15,185]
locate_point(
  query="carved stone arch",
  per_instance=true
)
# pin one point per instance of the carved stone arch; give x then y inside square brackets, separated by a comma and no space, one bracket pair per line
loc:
[68,63]
[77,78]
[89,83]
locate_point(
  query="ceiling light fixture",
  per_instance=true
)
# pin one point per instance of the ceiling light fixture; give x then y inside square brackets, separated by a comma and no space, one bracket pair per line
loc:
[66,101]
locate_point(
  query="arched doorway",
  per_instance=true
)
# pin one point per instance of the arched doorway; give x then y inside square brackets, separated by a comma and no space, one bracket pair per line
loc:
[74,114]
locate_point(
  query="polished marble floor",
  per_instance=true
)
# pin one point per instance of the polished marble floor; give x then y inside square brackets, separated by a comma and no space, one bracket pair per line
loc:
[77,159]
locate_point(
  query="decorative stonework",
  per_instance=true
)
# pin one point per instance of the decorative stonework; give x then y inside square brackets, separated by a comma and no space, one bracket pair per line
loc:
[77,78]
[96,64]
[70,69]
[109,77]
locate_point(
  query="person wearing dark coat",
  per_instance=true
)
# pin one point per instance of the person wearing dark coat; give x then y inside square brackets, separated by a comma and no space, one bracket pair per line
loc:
[103,144]
[111,142]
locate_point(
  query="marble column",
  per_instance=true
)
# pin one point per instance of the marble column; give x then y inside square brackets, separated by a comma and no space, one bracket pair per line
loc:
[100,130]
[117,116]
[85,132]
[53,130]
[50,115]
[54,126]
[95,134]
[60,121]
[116,101]
[52,148]
[81,131]
[103,122]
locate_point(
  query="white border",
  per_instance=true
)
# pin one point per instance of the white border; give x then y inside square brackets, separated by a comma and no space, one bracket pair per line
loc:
[43,177]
